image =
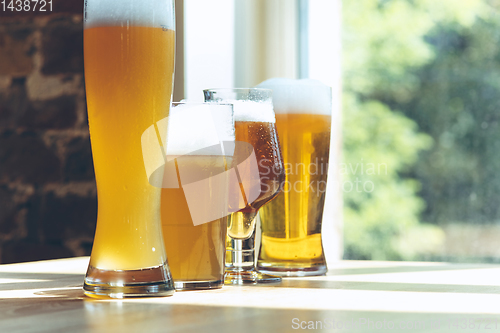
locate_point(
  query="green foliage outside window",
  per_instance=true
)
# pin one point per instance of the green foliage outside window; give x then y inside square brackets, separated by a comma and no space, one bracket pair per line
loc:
[421,107]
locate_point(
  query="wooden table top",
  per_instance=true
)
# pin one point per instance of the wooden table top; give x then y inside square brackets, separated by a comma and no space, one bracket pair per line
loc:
[355,296]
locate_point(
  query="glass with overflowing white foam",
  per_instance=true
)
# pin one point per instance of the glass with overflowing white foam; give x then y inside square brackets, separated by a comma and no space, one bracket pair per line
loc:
[129,49]
[259,167]
[291,242]
[194,197]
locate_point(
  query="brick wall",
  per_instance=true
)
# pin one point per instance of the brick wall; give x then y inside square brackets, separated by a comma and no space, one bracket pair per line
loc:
[48,204]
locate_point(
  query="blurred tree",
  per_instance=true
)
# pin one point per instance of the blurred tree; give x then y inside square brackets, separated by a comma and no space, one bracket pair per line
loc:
[458,102]
[395,58]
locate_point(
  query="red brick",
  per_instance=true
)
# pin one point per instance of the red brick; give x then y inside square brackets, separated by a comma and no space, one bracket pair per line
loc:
[18,112]
[62,47]
[24,157]
[78,165]
[66,217]
[17,47]
[21,251]
[9,211]
[57,113]
[13,104]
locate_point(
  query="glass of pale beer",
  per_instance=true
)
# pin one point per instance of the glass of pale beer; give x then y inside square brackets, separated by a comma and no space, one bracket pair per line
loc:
[291,243]
[194,197]
[129,48]
[260,175]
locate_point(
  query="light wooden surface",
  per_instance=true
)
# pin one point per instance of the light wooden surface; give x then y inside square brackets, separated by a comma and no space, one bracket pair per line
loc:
[415,297]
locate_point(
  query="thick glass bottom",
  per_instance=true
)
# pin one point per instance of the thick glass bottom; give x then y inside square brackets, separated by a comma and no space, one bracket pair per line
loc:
[198,285]
[291,270]
[154,281]
[248,276]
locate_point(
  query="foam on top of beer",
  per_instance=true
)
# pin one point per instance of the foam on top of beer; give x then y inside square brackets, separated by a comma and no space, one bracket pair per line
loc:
[299,96]
[199,128]
[145,13]
[253,111]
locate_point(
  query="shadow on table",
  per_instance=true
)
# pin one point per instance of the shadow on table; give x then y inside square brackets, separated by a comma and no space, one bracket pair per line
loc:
[391,286]
[323,281]
[23,281]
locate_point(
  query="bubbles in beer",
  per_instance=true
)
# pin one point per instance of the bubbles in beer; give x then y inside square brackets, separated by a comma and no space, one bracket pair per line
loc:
[299,96]
[146,13]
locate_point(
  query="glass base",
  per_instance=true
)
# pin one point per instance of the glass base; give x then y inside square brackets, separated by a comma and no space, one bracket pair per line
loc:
[154,281]
[248,276]
[291,271]
[197,285]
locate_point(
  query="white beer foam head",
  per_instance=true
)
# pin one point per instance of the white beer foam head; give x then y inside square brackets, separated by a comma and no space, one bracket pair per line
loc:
[194,127]
[253,111]
[145,13]
[299,96]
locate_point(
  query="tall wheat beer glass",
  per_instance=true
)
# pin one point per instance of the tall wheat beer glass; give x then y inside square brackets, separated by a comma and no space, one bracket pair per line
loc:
[129,61]
[291,224]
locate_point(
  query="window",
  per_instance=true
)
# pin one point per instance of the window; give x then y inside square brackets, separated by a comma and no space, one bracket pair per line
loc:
[421,97]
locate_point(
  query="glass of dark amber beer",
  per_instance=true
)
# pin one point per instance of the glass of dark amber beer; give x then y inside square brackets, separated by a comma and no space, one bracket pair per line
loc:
[291,243]
[258,161]
[129,48]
